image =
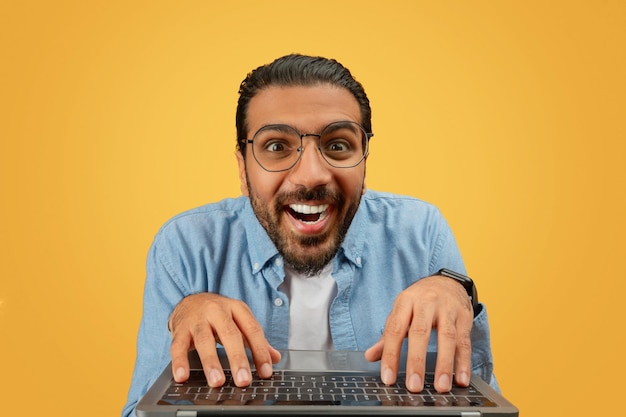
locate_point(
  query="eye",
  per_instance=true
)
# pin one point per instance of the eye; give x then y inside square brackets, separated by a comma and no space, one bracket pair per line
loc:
[337,146]
[275,145]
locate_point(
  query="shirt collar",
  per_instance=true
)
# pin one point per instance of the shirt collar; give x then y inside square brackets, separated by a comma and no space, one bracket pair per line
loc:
[352,246]
[260,246]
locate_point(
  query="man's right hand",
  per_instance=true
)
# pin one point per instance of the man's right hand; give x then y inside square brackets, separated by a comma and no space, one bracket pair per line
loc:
[201,321]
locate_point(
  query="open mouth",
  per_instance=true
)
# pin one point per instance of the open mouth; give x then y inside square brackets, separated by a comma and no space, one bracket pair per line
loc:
[308,213]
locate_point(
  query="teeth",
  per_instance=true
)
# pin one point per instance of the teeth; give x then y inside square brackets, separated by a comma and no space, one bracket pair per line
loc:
[306,209]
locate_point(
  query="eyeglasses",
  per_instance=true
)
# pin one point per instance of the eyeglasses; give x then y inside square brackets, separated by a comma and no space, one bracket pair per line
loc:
[279,147]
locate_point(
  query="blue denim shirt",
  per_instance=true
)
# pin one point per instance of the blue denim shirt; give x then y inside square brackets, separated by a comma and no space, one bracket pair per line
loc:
[393,241]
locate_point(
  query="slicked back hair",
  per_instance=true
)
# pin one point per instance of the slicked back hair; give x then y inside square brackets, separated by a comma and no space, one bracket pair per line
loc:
[298,70]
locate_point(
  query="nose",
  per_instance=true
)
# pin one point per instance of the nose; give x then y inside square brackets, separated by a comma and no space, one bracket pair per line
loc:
[311,170]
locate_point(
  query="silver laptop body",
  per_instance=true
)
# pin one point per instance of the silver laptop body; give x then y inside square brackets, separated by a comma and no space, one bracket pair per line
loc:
[309,383]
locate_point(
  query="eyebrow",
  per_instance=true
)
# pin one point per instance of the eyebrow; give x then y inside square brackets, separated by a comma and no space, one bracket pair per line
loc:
[342,124]
[279,127]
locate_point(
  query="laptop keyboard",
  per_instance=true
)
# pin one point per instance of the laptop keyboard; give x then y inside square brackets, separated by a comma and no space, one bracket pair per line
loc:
[308,388]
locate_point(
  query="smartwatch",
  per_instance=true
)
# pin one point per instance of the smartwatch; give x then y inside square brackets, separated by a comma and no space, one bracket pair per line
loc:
[467,283]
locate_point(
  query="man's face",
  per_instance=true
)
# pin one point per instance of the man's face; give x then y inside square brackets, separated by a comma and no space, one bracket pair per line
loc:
[306,210]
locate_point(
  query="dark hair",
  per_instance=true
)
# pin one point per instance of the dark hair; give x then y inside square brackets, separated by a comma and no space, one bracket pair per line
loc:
[298,70]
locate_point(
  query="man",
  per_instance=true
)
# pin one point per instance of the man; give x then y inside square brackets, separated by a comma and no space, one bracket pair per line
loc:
[307,258]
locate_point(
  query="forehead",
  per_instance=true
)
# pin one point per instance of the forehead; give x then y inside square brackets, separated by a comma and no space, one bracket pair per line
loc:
[308,108]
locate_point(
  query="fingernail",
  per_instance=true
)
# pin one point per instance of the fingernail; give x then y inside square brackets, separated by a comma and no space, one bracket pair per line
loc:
[243,377]
[463,378]
[387,376]
[266,370]
[214,377]
[179,374]
[444,382]
[415,383]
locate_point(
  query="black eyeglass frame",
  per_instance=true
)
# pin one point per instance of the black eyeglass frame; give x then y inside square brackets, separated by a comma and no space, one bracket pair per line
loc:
[300,150]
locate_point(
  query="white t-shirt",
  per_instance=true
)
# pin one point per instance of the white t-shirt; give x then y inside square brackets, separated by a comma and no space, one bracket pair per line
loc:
[309,306]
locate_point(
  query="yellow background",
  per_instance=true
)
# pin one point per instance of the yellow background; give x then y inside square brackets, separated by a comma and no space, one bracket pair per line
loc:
[508,115]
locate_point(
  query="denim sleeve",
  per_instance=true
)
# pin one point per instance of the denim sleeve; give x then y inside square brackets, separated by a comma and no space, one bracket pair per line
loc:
[161,295]
[482,358]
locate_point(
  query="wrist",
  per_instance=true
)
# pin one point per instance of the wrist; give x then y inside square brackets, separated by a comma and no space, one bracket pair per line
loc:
[467,283]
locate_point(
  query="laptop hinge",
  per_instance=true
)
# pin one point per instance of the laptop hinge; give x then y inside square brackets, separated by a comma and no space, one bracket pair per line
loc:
[186,413]
[470,414]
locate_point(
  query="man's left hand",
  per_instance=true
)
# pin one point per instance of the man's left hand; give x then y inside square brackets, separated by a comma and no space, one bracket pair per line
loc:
[434,302]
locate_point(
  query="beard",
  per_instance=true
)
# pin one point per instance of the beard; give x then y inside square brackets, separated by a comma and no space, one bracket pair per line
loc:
[306,255]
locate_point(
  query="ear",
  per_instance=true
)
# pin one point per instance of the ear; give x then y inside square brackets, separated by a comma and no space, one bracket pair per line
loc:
[243,181]
[364,187]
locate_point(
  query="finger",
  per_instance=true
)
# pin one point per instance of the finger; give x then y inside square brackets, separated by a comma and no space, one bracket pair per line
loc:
[463,361]
[232,339]
[419,336]
[446,349]
[374,352]
[179,350]
[205,345]
[263,359]
[394,334]
[263,354]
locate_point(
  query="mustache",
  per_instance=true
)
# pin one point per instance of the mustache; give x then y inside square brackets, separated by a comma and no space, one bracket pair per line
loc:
[304,194]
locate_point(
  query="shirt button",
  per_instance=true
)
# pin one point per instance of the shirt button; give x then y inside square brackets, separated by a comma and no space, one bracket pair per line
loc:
[278,302]
[278,262]
[358,260]
[256,266]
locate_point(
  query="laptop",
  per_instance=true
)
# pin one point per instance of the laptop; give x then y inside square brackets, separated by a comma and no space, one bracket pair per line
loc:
[310,383]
